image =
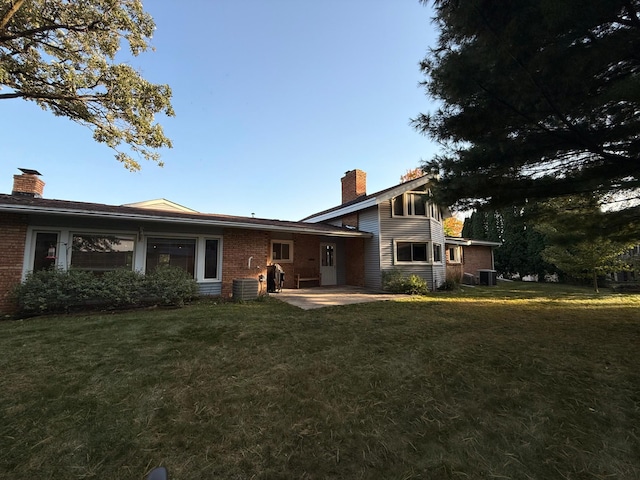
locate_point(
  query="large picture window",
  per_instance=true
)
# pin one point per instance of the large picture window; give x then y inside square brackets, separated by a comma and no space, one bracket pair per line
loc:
[411,251]
[177,252]
[101,253]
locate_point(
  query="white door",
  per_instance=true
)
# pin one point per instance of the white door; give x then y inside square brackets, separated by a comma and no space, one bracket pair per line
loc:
[328,274]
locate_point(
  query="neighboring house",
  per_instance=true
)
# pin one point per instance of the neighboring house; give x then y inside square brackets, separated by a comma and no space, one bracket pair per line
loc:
[632,257]
[351,244]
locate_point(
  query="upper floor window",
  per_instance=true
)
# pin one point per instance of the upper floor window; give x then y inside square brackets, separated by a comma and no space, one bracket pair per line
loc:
[282,251]
[415,204]
[101,253]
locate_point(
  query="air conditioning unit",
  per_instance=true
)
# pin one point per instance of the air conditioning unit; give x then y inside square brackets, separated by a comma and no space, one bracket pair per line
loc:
[488,277]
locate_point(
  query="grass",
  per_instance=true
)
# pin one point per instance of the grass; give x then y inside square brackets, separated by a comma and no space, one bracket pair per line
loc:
[518,381]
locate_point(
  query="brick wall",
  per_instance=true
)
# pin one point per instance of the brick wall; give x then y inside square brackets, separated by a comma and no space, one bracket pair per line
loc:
[238,246]
[14,233]
[306,258]
[477,258]
[355,261]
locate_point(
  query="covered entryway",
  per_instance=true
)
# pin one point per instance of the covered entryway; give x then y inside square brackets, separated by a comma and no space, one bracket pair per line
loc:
[328,270]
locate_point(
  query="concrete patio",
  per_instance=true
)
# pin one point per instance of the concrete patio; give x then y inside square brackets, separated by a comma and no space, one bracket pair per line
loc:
[318,297]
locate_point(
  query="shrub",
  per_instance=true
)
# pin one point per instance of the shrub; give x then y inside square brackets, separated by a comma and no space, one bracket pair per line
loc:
[54,290]
[171,285]
[395,281]
[122,288]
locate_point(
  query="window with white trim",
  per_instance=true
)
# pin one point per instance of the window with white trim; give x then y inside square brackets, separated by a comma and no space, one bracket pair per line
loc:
[46,250]
[415,204]
[177,252]
[411,252]
[282,251]
[99,253]
[437,253]
[410,204]
[453,254]
[211,258]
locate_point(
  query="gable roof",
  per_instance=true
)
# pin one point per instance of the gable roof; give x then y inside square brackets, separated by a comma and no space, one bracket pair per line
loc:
[63,208]
[161,204]
[367,201]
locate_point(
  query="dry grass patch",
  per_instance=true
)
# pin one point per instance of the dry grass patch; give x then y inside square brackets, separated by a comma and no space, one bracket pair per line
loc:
[489,383]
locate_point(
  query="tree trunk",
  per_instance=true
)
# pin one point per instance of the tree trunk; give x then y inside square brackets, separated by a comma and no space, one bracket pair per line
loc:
[595,281]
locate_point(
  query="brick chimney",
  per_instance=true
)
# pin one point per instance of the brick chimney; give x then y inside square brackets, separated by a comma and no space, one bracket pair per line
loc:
[28,184]
[354,185]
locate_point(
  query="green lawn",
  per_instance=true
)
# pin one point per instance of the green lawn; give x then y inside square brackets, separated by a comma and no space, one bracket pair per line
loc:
[518,381]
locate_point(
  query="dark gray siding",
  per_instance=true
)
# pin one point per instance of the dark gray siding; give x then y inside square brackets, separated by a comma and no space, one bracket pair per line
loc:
[368,221]
[210,289]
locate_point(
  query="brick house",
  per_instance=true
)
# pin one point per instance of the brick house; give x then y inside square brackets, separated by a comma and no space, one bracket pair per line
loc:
[351,244]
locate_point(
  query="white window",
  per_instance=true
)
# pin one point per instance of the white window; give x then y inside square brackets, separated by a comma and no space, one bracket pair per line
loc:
[411,252]
[177,252]
[410,204]
[415,204]
[282,251]
[211,258]
[101,252]
[437,253]
[453,254]
[416,252]
[46,250]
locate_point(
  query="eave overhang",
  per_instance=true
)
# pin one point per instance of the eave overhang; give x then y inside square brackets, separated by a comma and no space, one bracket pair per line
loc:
[200,220]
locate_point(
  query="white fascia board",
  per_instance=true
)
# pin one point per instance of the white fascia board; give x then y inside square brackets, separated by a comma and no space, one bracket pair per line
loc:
[191,221]
[465,242]
[341,212]
[371,202]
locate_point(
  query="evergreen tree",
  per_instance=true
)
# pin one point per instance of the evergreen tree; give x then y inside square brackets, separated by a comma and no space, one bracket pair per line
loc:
[571,248]
[539,100]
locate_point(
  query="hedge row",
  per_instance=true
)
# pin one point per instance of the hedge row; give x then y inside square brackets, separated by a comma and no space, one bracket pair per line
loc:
[53,290]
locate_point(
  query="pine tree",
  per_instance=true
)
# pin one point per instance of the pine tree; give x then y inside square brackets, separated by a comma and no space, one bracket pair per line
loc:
[539,100]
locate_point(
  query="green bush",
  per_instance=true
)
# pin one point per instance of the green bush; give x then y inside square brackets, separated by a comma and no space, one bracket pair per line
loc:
[54,290]
[395,281]
[171,285]
[122,287]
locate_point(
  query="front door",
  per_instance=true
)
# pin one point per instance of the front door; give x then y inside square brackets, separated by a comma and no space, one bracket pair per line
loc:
[328,275]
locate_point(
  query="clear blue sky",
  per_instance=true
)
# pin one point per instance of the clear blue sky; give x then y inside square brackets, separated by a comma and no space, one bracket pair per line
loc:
[274,101]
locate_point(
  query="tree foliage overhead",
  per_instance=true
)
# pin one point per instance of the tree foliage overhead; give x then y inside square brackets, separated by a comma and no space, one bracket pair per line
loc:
[539,99]
[61,54]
